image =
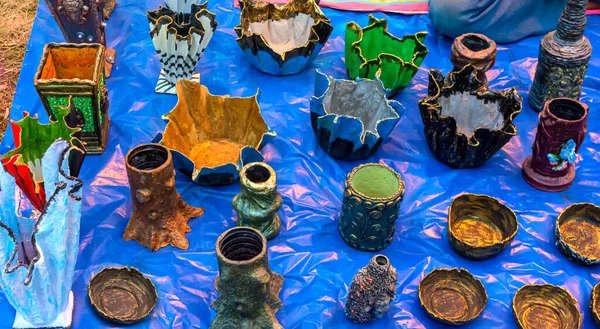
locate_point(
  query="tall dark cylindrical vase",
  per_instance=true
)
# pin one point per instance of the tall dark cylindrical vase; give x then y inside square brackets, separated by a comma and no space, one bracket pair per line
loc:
[563,58]
[561,130]
[248,289]
[371,206]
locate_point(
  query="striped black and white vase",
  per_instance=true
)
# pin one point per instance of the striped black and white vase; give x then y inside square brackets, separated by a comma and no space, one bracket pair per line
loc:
[180,39]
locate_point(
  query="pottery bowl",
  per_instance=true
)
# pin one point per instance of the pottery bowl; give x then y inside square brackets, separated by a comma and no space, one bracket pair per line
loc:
[475,49]
[465,124]
[452,296]
[544,306]
[374,52]
[479,226]
[282,39]
[577,233]
[212,137]
[595,303]
[351,118]
[122,295]
[180,39]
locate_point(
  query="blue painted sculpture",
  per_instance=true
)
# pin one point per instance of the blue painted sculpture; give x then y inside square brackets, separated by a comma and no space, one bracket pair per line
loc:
[38,251]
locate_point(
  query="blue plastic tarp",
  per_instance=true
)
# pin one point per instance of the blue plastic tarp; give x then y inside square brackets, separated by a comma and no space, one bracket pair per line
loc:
[316,264]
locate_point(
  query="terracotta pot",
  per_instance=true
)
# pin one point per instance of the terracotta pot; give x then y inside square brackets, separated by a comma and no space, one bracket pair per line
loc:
[475,49]
[561,130]
[159,215]
[248,289]
[373,289]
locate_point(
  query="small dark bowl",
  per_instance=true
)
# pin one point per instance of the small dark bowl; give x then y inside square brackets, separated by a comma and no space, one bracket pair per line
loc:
[452,296]
[479,226]
[544,306]
[594,304]
[122,295]
[576,233]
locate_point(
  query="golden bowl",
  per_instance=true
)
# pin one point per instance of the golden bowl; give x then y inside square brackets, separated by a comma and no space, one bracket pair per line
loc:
[213,137]
[479,226]
[545,306]
[452,296]
[594,305]
[577,233]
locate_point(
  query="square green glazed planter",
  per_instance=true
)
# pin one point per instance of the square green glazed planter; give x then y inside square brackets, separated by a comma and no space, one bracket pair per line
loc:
[373,52]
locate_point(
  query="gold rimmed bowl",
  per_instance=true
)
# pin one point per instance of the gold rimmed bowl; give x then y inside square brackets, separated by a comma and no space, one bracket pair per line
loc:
[577,233]
[479,226]
[545,306]
[452,296]
[595,303]
[122,295]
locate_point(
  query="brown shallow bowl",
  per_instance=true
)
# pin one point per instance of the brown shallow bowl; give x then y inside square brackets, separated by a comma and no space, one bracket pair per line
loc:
[544,306]
[595,303]
[577,233]
[122,295]
[452,296]
[479,226]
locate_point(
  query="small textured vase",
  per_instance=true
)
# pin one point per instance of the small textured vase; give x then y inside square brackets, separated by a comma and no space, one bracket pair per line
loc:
[561,130]
[160,215]
[371,206]
[248,289]
[258,202]
[373,289]
[475,49]
[563,59]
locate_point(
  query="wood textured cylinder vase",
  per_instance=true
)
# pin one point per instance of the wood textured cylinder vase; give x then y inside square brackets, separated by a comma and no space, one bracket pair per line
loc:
[159,215]
[371,206]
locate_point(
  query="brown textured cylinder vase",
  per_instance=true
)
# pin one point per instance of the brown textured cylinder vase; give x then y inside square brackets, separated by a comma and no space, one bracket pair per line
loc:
[371,206]
[563,58]
[159,214]
[373,289]
[561,130]
[248,289]
[544,306]
[475,49]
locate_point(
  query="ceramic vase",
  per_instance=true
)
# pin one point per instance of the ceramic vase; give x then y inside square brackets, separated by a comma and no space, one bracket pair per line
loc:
[352,118]
[248,289]
[82,21]
[75,71]
[159,214]
[372,291]
[371,206]
[180,40]
[464,122]
[38,253]
[561,130]
[282,39]
[475,49]
[563,58]
[212,137]
[258,202]
[373,52]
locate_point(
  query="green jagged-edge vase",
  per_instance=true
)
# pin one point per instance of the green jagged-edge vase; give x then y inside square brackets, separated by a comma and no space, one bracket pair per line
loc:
[373,52]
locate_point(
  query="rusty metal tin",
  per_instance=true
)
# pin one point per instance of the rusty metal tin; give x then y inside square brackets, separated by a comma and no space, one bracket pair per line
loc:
[479,226]
[576,233]
[122,295]
[452,296]
[475,49]
[545,306]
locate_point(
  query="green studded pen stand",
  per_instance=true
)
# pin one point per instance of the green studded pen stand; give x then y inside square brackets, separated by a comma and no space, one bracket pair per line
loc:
[370,207]
[76,70]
